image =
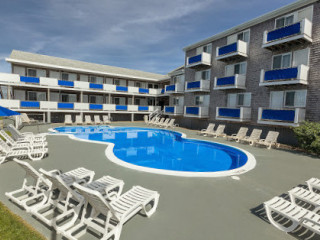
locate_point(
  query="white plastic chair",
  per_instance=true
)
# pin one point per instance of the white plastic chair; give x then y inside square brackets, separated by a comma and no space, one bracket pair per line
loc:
[97,120]
[79,120]
[28,136]
[67,120]
[269,141]
[219,132]
[106,119]
[87,120]
[254,137]
[21,143]
[240,135]
[209,129]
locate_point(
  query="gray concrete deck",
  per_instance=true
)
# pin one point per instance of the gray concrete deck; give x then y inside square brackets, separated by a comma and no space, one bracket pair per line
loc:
[189,208]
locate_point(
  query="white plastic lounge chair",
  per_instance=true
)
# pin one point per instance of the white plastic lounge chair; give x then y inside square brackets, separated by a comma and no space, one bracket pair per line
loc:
[106,119]
[305,195]
[8,152]
[153,120]
[254,137]
[97,120]
[116,213]
[171,124]
[67,120]
[219,132]
[146,119]
[87,120]
[25,119]
[240,135]
[156,121]
[31,193]
[165,123]
[79,120]
[160,122]
[28,136]
[21,143]
[297,215]
[209,129]
[270,140]
[313,183]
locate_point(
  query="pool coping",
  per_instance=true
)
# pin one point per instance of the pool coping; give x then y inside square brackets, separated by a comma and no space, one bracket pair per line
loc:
[249,165]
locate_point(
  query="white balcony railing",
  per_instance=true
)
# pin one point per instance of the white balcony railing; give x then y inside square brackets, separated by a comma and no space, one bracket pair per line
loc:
[240,114]
[196,111]
[174,88]
[238,49]
[202,59]
[285,36]
[173,110]
[282,117]
[294,75]
[237,81]
[53,83]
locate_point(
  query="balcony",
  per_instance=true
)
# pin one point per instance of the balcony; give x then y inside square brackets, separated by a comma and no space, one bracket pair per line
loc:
[173,110]
[240,114]
[200,60]
[295,75]
[287,36]
[33,80]
[233,51]
[196,112]
[198,86]
[175,88]
[64,83]
[237,81]
[281,117]
[96,86]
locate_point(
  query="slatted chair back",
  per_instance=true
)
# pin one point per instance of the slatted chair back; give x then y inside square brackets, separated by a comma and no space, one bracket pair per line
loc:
[272,137]
[242,132]
[166,121]
[67,118]
[106,118]
[171,123]
[14,132]
[145,118]
[97,119]
[78,119]
[4,147]
[255,135]
[220,129]
[7,137]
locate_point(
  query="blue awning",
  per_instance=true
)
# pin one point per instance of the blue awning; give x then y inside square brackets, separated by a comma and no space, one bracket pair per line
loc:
[5,112]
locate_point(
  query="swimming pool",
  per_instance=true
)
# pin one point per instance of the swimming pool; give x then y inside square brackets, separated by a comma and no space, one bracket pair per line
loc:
[164,151]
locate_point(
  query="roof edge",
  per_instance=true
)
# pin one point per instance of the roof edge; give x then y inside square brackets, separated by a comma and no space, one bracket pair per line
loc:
[250,23]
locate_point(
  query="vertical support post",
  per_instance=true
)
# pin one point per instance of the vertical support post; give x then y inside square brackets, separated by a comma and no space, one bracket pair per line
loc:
[132,100]
[81,97]
[109,101]
[9,90]
[48,117]
[132,117]
[48,95]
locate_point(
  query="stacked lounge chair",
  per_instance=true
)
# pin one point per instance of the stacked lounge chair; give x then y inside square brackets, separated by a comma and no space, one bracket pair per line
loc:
[21,143]
[297,211]
[170,124]
[28,136]
[164,123]
[26,120]
[68,194]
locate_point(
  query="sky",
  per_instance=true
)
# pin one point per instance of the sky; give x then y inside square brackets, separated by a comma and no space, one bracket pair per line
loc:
[139,34]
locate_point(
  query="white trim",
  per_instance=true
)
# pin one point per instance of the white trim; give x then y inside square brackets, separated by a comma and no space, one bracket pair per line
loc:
[11,60]
[250,164]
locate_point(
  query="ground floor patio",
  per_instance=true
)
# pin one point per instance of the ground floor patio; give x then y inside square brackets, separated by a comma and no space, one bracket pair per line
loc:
[189,208]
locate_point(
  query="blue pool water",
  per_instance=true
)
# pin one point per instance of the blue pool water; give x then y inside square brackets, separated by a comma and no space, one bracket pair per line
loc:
[163,149]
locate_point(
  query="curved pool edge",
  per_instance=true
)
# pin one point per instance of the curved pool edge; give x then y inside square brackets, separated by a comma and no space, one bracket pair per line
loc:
[250,164]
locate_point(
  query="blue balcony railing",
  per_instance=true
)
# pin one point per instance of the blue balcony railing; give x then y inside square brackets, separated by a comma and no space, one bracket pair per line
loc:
[284,32]
[29,104]
[95,107]
[228,49]
[121,89]
[192,110]
[278,115]
[279,74]
[65,83]
[162,91]
[169,109]
[143,108]
[170,88]
[143,90]
[29,79]
[226,81]
[65,106]
[121,107]
[229,112]
[96,86]
[195,59]
[191,85]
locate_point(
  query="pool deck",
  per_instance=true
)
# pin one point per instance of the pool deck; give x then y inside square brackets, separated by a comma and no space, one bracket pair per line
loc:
[189,208]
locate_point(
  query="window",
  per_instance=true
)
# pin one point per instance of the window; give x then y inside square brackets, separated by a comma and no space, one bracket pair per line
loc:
[65,76]
[32,96]
[137,84]
[198,100]
[174,79]
[64,98]
[117,101]
[175,101]
[284,21]
[202,75]
[136,101]
[117,82]
[92,99]
[239,100]
[31,72]
[244,36]
[206,48]
[92,79]
[239,68]
[150,85]
[289,99]
[156,86]
[281,61]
